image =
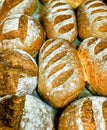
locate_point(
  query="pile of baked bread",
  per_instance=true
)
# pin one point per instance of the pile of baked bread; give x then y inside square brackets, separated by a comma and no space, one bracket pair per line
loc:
[56,48]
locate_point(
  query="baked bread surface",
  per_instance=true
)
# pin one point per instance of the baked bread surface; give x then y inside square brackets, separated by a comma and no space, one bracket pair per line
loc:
[93,54]
[18,72]
[92,19]
[59,20]
[61,77]
[88,113]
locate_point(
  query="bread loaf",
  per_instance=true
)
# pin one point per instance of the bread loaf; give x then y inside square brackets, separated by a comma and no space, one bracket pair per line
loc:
[22,32]
[61,76]
[92,19]
[88,113]
[93,54]
[59,20]
[8,7]
[75,3]
[24,113]
[18,72]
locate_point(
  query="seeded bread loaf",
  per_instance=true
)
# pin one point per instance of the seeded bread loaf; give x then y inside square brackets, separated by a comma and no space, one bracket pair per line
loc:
[22,32]
[8,7]
[24,113]
[88,113]
[61,77]
[92,19]
[18,72]
[93,55]
[59,20]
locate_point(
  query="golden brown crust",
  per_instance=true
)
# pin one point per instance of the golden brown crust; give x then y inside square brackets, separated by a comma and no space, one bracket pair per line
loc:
[93,53]
[11,110]
[45,1]
[59,20]
[88,113]
[8,7]
[22,32]
[75,3]
[15,66]
[61,76]
[92,17]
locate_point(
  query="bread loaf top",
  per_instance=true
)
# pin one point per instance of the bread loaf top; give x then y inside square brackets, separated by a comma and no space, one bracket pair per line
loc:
[61,73]
[8,7]
[93,54]
[24,113]
[18,73]
[22,32]
[85,113]
[59,20]
[92,19]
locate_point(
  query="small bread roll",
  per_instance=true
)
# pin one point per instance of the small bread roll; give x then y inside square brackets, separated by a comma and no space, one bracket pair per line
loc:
[93,55]
[61,77]
[92,19]
[75,3]
[88,113]
[24,113]
[22,32]
[18,72]
[8,7]
[59,20]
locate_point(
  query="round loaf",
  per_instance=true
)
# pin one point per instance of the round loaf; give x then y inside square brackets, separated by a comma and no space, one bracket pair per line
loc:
[88,113]
[59,20]
[24,113]
[92,19]
[22,32]
[8,7]
[75,3]
[18,72]
[93,54]
[61,77]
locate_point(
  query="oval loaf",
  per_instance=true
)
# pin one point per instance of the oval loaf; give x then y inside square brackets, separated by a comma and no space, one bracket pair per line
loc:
[93,54]
[59,20]
[61,76]
[92,19]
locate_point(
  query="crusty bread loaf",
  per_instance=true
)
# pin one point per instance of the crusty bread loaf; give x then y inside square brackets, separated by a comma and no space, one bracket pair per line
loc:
[88,113]
[93,55]
[75,3]
[8,7]
[23,32]
[92,19]
[18,72]
[24,113]
[59,20]
[61,77]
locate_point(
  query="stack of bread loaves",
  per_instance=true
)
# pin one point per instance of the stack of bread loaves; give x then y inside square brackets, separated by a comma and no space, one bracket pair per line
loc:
[50,51]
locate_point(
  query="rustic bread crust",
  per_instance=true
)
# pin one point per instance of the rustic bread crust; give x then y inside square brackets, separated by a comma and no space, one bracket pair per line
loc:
[22,32]
[88,113]
[93,54]
[59,20]
[92,19]
[8,7]
[61,76]
[18,72]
